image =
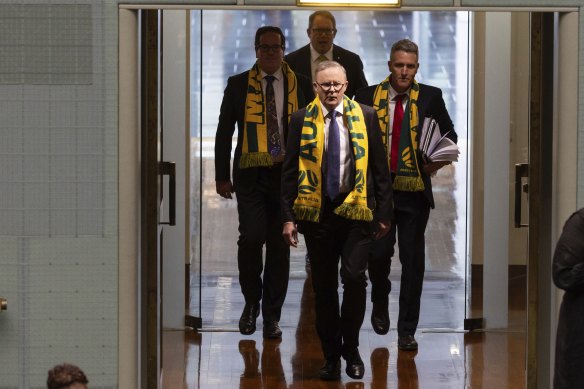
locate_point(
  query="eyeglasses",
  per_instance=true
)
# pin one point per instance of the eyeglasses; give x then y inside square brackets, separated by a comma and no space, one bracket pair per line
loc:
[334,86]
[324,31]
[267,48]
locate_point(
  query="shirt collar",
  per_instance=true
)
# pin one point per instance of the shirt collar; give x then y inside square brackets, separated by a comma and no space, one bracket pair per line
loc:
[393,93]
[277,75]
[315,54]
[338,108]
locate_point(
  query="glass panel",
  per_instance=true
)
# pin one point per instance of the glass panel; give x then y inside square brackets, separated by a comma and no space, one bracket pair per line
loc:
[197,158]
[443,41]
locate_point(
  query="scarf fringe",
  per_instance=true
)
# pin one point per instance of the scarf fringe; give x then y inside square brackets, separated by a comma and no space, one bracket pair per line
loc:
[354,212]
[303,212]
[255,160]
[408,184]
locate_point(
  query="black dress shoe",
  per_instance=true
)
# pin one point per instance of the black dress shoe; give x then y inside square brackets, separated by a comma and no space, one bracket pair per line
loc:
[331,371]
[247,321]
[407,343]
[355,366]
[380,318]
[272,330]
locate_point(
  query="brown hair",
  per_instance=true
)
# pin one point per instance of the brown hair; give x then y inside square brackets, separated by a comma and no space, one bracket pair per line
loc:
[61,376]
[324,14]
[405,45]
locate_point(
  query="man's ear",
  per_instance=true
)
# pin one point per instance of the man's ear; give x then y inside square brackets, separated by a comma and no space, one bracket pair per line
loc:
[308,32]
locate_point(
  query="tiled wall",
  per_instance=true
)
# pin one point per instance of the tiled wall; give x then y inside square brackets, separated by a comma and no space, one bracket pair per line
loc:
[58,193]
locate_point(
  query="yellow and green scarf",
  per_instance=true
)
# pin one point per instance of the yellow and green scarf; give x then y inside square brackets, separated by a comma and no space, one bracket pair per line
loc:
[254,151]
[408,176]
[309,201]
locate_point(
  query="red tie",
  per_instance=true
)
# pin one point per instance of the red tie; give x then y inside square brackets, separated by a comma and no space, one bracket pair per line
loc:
[398,116]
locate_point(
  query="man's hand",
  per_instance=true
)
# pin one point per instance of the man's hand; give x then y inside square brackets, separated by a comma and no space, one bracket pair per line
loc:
[432,167]
[224,188]
[290,234]
[384,227]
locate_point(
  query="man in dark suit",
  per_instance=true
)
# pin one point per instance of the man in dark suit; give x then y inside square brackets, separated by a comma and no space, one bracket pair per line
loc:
[321,31]
[260,101]
[402,104]
[335,185]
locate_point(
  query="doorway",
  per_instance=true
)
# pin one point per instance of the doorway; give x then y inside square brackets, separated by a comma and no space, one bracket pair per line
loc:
[443,62]
[224,281]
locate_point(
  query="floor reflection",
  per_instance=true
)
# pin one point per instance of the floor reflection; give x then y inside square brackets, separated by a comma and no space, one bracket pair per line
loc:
[445,359]
[307,358]
[268,374]
[379,368]
[407,372]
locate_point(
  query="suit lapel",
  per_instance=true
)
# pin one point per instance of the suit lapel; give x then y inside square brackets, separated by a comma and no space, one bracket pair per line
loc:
[336,54]
[422,103]
[304,66]
[285,111]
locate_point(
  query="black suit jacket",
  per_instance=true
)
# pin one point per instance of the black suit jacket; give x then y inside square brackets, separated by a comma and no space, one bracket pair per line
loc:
[379,192]
[232,112]
[299,61]
[430,103]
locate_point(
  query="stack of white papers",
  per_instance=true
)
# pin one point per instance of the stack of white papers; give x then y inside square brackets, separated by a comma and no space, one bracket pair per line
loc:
[434,146]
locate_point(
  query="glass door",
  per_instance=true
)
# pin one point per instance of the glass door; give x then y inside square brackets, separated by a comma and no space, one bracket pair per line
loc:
[218,52]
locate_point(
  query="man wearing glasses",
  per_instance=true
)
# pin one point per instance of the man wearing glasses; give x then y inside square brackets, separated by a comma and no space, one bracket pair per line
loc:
[260,101]
[322,31]
[335,186]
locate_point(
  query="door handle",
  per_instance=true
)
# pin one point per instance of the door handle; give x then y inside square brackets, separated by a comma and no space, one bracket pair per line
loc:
[169,169]
[3,304]
[521,171]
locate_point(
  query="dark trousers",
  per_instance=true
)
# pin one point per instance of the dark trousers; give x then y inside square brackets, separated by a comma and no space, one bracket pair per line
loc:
[411,210]
[259,224]
[331,239]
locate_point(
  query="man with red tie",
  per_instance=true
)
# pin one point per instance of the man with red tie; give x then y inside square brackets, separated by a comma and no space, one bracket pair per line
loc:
[402,104]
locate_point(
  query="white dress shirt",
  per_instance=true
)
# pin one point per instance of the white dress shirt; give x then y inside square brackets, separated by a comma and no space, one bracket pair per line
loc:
[314,59]
[345,146]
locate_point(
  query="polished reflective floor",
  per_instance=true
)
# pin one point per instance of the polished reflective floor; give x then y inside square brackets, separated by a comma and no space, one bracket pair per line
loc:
[218,356]
[446,359]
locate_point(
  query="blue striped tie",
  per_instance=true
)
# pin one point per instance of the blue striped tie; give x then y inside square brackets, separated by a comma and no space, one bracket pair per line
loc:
[333,176]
